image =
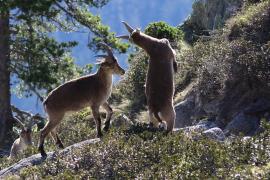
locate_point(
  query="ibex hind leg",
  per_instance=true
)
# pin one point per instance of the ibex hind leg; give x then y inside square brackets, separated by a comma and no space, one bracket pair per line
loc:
[52,123]
[162,125]
[96,114]
[56,138]
[152,120]
[109,113]
[168,115]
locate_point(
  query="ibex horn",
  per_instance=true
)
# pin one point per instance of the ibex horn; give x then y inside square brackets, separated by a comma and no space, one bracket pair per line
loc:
[128,27]
[107,48]
[123,37]
[20,122]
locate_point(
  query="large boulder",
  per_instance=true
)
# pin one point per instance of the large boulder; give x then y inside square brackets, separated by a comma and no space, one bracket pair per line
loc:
[248,120]
[242,124]
[214,134]
[184,112]
[121,120]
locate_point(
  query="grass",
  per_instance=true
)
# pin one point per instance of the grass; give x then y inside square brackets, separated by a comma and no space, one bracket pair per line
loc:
[140,152]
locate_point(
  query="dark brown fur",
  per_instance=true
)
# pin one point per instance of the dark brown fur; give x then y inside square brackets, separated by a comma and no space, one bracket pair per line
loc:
[160,77]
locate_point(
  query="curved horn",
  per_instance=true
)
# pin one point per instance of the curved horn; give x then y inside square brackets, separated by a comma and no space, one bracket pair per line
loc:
[123,37]
[107,48]
[128,27]
[101,56]
[20,122]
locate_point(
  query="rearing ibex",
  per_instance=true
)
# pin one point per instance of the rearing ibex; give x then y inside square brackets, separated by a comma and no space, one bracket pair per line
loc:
[91,90]
[160,80]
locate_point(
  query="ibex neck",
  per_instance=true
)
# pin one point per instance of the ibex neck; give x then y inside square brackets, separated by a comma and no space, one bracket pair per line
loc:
[144,41]
[105,76]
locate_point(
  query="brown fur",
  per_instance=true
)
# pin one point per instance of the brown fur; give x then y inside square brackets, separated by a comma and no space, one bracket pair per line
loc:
[160,78]
[92,90]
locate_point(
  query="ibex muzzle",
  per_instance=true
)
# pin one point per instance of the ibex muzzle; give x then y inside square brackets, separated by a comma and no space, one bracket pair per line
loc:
[91,90]
[160,75]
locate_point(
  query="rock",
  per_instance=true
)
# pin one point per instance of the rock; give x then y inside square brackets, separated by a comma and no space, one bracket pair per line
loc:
[201,126]
[205,128]
[261,106]
[242,123]
[3,153]
[121,120]
[37,159]
[198,128]
[184,112]
[214,134]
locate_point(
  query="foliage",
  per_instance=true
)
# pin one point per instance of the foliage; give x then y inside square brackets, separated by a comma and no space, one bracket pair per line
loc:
[132,87]
[38,61]
[140,152]
[163,30]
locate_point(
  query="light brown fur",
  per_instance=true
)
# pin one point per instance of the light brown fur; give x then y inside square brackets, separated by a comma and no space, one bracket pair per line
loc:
[24,140]
[91,90]
[160,76]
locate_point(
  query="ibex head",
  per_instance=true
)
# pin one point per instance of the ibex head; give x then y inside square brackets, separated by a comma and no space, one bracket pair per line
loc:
[137,37]
[133,33]
[109,62]
[26,131]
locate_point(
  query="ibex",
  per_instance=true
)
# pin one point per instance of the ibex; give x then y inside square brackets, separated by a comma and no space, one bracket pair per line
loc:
[160,80]
[91,90]
[24,140]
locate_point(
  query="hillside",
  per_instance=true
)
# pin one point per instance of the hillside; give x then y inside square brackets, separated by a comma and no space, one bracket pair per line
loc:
[222,102]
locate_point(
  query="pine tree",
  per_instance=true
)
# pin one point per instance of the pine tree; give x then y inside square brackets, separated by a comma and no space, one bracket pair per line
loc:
[29,52]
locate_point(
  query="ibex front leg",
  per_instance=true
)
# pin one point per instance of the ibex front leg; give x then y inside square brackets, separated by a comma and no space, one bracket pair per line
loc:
[109,113]
[95,111]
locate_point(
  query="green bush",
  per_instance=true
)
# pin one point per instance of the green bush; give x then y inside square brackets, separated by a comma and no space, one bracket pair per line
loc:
[132,87]
[163,30]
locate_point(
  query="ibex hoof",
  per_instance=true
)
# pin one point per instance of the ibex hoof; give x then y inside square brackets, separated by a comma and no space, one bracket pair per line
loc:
[42,152]
[162,126]
[150,125]
[60,145]
[99,135]
[106,128]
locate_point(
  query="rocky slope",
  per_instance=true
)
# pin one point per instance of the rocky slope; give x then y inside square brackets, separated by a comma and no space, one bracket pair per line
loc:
[232,82]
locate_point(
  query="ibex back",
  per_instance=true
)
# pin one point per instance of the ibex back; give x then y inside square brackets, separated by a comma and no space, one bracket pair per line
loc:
[92,90]
[160,78]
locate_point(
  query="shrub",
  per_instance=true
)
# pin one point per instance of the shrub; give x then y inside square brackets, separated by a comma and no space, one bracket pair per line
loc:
[163,30]
[141,153]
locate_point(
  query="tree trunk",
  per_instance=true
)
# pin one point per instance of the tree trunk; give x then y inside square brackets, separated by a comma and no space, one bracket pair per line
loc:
[6,120]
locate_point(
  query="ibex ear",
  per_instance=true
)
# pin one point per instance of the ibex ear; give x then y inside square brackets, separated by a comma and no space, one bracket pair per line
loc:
[100,61]
[16,130]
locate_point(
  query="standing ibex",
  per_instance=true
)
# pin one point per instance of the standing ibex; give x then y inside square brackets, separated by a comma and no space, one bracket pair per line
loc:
[24,140]
[91,90]
[160,80]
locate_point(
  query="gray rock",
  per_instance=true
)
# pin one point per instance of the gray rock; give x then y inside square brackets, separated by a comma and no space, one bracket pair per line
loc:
[242,123]
[37,159]
[214,134]
[261,106]
[198,128]
[184,112]
[121,120]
